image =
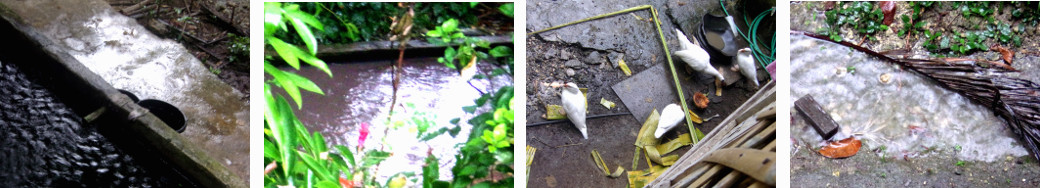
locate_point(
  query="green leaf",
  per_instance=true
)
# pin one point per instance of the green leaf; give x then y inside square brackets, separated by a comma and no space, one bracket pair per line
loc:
[469,109]
[430,171]
[467,170]
[270,151]
[349,156]
[314,166]
[454,131]
[285,83]
[281,126]
[318,143]
[501,51]
[306,35]
[286,51]
[374,157]
[313,61]
[303,82]
[507,9]
[340,164]
[327,184]
[450,26]
[305,18]
[272,18]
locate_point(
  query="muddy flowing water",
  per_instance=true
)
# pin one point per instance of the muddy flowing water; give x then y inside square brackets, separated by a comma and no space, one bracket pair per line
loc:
[45,144]
[362,92]
[910,116]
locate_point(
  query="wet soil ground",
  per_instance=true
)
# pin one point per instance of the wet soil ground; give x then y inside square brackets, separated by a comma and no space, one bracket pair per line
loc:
[942,167]
[586,54]
[209,29]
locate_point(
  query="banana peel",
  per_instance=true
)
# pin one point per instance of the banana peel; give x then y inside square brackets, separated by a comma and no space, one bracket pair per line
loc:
[607,103]
[646,132]
[530,159]
[603,166]
[554,112]
[640,178]
[718,87]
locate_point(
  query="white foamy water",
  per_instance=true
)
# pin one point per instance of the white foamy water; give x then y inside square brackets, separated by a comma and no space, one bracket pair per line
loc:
[910,115]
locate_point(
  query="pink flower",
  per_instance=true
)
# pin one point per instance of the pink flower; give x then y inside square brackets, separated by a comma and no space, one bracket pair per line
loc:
[364,134]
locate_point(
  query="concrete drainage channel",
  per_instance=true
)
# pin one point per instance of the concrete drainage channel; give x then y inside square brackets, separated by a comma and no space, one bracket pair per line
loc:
[132,129]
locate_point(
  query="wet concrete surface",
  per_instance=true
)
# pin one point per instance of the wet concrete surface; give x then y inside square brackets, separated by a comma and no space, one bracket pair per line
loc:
[362,92]
[914,132]
[122,52]
[586,54]
[45,144]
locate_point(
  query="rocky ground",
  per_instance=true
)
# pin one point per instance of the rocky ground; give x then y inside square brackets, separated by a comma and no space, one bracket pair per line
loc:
[587,54]
[942,168]
[215,31]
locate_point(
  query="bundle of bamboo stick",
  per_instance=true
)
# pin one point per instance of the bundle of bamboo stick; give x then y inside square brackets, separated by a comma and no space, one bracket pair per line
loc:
[740,152]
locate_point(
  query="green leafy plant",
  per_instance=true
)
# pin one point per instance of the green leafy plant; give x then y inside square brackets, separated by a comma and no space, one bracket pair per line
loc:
[295,156]
[468,48]
[862,16]
[1027,12]
[347,22]
[912,23]
[486,159]
[239,48]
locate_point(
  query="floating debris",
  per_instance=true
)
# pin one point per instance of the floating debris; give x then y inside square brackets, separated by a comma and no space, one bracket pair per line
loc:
[885,78]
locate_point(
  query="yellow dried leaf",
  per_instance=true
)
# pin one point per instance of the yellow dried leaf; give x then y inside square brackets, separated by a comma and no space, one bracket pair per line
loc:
[695,118]
[718,87]
[585,93]
[624,66]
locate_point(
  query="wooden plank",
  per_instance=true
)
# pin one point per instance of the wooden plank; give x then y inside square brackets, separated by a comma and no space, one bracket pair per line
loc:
[817,118]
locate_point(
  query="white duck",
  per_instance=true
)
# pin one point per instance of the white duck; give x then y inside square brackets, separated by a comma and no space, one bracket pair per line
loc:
[574,105]
[747,64]
[671,115]
[695,56]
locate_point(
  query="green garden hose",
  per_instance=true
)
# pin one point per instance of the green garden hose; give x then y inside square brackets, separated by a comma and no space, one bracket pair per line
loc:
[757,51]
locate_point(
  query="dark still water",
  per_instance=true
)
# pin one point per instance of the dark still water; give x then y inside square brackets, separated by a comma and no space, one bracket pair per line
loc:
[44,144]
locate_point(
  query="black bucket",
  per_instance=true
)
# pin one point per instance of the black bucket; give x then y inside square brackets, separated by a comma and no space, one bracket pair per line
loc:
[131,95]
[168,113]
[721,31]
